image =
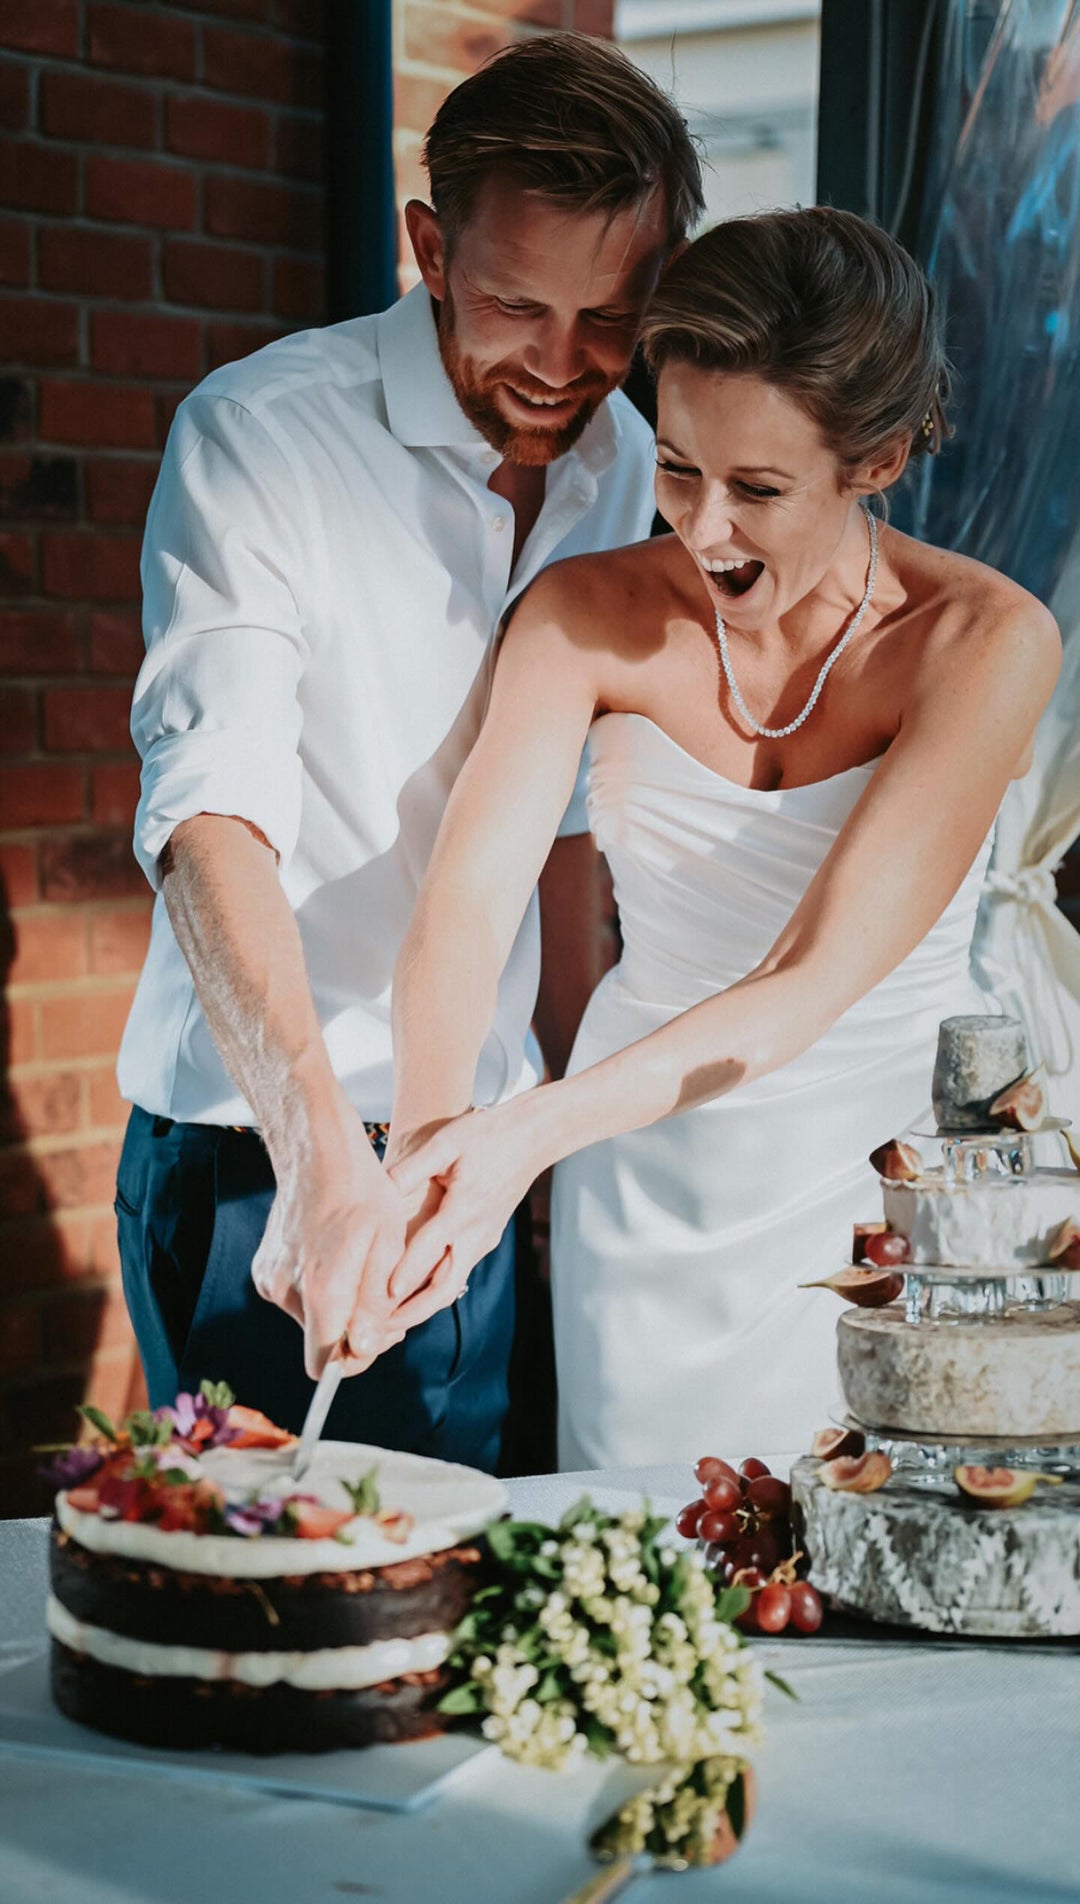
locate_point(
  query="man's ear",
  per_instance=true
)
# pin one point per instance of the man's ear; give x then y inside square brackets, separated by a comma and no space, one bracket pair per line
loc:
[429,246]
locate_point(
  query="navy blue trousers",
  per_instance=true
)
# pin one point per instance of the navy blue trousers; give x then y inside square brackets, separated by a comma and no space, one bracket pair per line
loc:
[192,1201]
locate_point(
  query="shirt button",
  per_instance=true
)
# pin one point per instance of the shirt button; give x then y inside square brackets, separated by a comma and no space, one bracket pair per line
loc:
[498,522]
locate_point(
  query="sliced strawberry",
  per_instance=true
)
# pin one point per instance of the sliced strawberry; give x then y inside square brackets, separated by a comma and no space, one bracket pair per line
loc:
[185,1507]
[313,1521]
[256,1429]
[84,1499]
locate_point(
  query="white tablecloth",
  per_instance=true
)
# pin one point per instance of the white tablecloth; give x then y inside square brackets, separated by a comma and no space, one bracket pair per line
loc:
[935,1773]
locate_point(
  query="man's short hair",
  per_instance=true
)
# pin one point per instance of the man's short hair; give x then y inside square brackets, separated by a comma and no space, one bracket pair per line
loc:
[575,122]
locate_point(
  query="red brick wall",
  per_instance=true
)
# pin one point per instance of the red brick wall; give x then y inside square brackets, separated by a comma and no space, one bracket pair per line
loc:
[161,172]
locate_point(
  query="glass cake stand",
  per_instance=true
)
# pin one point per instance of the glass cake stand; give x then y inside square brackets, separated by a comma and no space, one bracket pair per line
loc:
[930,1463]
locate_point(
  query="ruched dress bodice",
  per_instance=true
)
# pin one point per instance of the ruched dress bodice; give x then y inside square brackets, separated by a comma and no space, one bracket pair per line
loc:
[677,1251]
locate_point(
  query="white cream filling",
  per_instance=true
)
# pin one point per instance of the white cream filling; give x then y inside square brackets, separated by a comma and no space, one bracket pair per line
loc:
[331,1669]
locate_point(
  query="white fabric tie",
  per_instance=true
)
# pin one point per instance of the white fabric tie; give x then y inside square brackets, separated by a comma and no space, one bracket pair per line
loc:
[1031,886]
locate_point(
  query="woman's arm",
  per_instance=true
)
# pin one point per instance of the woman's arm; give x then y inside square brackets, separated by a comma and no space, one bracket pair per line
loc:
[494,839]
[896,864]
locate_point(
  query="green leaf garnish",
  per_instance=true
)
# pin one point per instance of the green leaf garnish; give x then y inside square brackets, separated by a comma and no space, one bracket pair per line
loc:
[364,1494]
[217,1394]
[146,1432]
[99,1421]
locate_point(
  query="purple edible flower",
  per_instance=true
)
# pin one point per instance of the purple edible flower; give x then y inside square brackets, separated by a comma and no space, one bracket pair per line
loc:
[75,1465]
[188,1413]
[253,1517]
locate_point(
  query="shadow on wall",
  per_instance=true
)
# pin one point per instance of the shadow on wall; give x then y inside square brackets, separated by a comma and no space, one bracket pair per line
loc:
[53,1299]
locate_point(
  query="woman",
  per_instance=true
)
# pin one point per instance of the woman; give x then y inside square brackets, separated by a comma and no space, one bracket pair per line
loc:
[802,724]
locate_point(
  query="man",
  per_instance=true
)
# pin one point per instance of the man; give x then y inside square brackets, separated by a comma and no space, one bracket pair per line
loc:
[341,522]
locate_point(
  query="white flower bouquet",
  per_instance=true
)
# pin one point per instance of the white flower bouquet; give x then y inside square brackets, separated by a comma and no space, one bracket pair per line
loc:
[596,1637]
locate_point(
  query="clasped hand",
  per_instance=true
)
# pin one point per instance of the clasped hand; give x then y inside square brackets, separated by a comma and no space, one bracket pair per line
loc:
[361,1257]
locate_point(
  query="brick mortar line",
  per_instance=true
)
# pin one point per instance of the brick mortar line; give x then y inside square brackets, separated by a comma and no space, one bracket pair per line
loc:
[252,29]
[34,1072]
[94,908]
[151,155]
[93,1284]
[35,1149]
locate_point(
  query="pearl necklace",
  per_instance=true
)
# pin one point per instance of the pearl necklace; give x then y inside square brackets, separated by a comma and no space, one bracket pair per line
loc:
[779,733]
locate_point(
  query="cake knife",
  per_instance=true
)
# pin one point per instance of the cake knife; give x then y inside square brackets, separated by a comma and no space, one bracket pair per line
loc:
[318,1408]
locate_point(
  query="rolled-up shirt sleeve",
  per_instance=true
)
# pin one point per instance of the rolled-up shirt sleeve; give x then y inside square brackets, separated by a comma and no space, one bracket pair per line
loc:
[216,715]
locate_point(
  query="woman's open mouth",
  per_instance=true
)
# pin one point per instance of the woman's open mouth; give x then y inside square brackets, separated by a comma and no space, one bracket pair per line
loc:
[732,577]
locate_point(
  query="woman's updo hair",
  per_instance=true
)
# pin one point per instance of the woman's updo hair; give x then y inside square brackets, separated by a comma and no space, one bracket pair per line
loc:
[825,306]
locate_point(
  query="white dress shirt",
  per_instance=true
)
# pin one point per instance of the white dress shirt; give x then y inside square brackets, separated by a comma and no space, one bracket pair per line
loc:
[324,571]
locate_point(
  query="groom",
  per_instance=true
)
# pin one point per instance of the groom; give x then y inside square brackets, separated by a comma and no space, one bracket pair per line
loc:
[340,524]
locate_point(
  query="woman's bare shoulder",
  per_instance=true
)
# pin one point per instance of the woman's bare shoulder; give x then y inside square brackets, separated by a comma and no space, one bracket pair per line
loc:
[599,600]
[973,606]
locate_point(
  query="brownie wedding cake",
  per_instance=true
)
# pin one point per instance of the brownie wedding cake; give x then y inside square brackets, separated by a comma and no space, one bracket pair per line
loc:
[950,1498]
[200,1597]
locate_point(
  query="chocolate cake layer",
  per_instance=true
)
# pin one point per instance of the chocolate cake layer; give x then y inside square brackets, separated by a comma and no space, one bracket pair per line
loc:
[297,1613]
[186,1713]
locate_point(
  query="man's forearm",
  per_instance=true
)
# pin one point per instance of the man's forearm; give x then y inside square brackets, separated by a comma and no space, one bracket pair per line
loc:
[238,934]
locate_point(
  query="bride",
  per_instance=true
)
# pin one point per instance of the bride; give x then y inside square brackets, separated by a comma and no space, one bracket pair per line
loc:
[801,726]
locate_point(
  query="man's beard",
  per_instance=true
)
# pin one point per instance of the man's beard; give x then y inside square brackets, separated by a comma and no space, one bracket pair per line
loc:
[528,446]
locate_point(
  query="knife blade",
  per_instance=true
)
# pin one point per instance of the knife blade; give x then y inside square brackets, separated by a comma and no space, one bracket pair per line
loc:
[318,1408]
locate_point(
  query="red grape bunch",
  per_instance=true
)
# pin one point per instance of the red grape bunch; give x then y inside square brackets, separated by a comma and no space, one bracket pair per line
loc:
[743,1517]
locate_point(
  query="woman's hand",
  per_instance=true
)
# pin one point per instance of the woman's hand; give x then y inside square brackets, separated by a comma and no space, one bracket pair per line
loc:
[472,1173]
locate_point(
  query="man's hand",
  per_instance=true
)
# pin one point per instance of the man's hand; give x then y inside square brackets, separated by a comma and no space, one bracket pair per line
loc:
[472,1174]
[335,1233]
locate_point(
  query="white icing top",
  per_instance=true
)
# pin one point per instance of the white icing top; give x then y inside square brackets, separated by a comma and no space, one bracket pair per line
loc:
[448,1503]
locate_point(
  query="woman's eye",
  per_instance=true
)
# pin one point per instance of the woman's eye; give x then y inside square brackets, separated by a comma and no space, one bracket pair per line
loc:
[675,469]
[756,494]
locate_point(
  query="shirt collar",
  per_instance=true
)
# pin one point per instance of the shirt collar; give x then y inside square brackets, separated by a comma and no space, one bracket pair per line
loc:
[421,407]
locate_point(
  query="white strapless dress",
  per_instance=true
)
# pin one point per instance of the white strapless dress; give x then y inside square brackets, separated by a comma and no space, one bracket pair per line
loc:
[677,1251]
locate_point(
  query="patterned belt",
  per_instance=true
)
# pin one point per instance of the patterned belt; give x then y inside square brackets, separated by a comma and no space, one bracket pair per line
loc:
[377,1133]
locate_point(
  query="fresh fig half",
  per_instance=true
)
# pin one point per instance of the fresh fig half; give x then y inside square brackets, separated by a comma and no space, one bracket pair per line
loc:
[858,1473]
[868,1288]
[1022,1106]
[830,1442]
[1000,1487]
[900,1163]
[1064,1247]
